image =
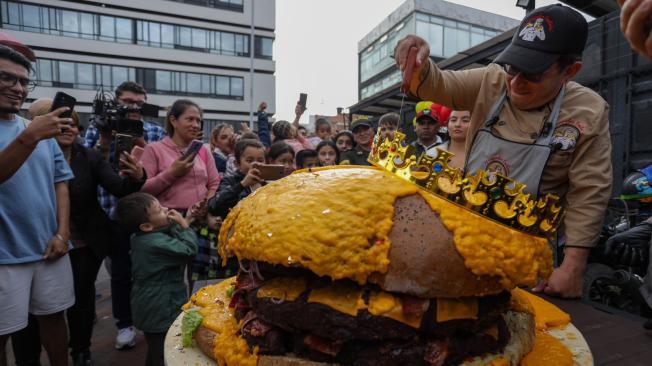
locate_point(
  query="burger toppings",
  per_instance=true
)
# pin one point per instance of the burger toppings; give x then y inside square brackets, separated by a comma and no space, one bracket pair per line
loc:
[450,309]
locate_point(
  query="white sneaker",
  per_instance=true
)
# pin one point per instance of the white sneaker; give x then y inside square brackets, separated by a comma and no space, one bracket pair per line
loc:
[126,338]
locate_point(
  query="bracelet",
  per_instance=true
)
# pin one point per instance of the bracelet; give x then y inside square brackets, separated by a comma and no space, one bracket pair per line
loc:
[60,237]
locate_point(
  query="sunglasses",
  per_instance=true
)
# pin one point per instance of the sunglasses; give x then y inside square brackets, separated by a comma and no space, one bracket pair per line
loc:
[533,78]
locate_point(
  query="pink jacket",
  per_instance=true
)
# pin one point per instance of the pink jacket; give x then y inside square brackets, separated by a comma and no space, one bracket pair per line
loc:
[182,192]
[298,145]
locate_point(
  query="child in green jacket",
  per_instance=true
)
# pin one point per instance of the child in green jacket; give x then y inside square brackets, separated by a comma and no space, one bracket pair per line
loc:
[160,249]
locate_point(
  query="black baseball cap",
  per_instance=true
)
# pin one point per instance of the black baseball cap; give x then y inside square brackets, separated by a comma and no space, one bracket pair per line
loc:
[543,36]
[360,122]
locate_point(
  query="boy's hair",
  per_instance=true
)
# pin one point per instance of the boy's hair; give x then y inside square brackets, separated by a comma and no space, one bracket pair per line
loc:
[279,148]
[282,130]
[389,119]
[130,86]
[132,210]
[243,144]
[8,53]
[250,136]
[303,155]
[322,122]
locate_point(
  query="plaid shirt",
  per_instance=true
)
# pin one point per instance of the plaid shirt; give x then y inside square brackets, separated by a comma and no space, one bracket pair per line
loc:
[151,133]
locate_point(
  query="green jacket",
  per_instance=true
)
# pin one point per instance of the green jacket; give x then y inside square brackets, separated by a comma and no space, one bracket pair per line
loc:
[355,156]
[158,262]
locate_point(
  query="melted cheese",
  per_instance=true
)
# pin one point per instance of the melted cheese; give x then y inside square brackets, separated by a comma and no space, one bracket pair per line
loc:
[229,348]
[382,303]
[450,309]
[546,315]
[341,297]
[548,350]
[283,288]
[317,219]
[493,249]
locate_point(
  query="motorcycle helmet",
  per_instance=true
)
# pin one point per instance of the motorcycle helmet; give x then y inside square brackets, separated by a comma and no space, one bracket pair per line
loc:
[638,185]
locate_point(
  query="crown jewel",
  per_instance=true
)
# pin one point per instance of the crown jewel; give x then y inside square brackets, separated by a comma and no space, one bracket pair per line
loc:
[489,194]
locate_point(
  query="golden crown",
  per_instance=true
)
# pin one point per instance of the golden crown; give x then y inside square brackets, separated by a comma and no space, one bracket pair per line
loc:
[489,194]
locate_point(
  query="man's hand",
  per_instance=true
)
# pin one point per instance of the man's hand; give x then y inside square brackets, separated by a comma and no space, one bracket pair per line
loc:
[56,249]
[47,126]
[636,24]
[262,107]
[567,280]
[298,110]
[175,216]
[181,166]
[131,167]
[252,177]
[403,47]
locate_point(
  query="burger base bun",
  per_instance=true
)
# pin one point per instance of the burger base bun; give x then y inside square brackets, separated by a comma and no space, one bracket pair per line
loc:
[520,325]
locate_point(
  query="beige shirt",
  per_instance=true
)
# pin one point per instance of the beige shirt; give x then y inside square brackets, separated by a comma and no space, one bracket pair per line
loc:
[579,171]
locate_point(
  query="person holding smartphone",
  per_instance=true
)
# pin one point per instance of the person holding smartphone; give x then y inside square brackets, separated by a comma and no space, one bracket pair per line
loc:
[178,177]
[89,233]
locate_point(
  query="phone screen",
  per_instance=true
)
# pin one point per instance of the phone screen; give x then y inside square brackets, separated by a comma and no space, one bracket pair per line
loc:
[303,98]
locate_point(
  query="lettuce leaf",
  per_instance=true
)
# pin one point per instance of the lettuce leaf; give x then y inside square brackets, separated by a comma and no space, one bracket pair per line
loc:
[190,322]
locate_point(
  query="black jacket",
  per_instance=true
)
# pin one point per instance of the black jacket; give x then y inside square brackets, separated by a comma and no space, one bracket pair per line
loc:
[228,194]
[86,216]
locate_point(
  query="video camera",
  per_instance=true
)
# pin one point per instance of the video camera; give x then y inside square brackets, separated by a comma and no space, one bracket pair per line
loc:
[110,116]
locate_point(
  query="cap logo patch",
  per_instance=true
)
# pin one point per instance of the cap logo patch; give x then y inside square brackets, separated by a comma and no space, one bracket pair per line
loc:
[534,28]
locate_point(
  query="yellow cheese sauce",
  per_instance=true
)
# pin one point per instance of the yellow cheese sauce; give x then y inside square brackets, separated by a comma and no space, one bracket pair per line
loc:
[229,348]
[344,298]
[546,315]
[283,288]
[382,303]
[336,222]
[492,249]
[547,351]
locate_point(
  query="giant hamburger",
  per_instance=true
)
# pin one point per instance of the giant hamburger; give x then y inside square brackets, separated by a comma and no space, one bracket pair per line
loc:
[355,266]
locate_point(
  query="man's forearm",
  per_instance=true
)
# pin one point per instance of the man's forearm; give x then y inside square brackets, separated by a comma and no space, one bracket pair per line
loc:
[575,259]
[14,155]
[63,209]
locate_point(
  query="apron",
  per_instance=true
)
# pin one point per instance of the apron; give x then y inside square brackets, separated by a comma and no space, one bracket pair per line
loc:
[519,161]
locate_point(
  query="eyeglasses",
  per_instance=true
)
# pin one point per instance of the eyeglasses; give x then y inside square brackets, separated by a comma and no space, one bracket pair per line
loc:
[9,80]
[533,78]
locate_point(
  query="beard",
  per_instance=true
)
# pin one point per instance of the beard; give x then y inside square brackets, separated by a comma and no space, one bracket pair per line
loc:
[9,109]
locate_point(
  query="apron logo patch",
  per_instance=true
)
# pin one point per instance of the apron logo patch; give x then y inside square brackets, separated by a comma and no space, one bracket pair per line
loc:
[565,136]
[535,29]
[496,164]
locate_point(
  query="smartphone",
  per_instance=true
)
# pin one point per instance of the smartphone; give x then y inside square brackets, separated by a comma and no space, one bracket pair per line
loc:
[122,143]
[271,172]
[62,99]
[303,98]
[137,152]
[193,149]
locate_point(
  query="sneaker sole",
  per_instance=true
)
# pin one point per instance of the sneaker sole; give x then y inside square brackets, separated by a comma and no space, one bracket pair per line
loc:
[125,346]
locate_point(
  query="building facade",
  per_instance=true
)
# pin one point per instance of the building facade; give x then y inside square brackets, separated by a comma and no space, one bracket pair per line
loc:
[217,53]
[449,29]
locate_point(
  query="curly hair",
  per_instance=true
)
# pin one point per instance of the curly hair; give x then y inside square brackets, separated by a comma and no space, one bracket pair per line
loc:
[282,130]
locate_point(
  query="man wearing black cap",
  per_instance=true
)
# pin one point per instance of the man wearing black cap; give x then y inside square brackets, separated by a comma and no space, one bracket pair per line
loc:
[363,133]
[530,122]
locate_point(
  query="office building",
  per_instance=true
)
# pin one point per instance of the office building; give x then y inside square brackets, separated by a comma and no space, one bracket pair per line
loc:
[210,51]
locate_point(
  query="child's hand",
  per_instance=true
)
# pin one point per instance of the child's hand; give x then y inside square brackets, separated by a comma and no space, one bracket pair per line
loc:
[175,216]
[252,177]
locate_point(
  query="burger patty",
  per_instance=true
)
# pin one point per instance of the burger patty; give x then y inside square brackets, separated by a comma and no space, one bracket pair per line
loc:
[321,333]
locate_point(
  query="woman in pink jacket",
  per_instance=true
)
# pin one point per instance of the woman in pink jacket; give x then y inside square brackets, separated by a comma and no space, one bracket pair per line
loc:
[176,182]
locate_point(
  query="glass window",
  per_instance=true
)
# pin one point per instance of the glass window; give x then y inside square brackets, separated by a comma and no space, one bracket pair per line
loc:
[237,87]
[155,33]
[423,17]
[119,75]
[450,41]
[167,35]
[13,14]
[477,38]
[194,83]
[215,42]
[463,40]
[185,36]
[223,87]
[107,28]
[142,32]
[206,84]
[124,30]
[44,69]
[228,43]
[87,26]
[31,17]
[163,80]
[199,38]
[70,21]
[268,45]
[67,72]
[239,45]
[85,76]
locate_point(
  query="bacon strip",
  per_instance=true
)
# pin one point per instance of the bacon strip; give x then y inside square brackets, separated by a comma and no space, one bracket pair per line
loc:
[415,306]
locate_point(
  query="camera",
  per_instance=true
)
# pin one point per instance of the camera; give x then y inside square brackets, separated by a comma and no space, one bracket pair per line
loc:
[110,116]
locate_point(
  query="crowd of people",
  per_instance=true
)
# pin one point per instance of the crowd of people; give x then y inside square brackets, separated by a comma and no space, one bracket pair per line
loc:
[69,203]
[153,215]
